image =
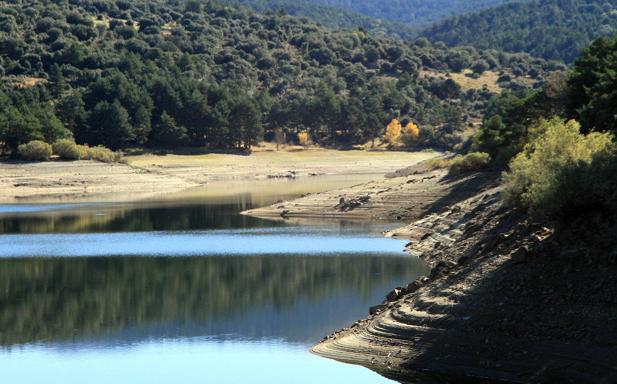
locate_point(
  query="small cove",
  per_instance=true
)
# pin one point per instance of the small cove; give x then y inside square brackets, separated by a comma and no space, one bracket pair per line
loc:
[186,289]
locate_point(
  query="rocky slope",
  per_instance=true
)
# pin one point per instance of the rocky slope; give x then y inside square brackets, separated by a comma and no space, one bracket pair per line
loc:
[507,301]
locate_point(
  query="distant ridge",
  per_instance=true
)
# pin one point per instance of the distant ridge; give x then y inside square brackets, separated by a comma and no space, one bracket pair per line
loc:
[415,14]
[551,29]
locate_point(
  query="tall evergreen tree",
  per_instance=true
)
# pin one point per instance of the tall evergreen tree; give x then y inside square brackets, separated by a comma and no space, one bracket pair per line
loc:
[108,124]
[57,81]
[245,123]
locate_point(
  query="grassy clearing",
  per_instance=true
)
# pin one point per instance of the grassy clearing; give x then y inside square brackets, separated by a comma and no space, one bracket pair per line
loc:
[22,82]
[488,79]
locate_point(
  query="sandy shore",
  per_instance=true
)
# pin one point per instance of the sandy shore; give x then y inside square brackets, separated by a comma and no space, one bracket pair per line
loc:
[263,164]
[57,181]
[147,176]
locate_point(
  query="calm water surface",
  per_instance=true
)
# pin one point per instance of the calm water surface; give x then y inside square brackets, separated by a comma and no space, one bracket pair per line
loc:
[186,290]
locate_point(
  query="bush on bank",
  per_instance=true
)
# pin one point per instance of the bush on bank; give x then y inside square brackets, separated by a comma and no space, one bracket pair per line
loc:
[103,154]
[459,164]
[35,150]
[67,149]
[562,173]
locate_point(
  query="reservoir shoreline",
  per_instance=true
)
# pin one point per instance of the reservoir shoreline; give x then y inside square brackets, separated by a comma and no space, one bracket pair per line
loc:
[493,272]
[154,175]
[489,264]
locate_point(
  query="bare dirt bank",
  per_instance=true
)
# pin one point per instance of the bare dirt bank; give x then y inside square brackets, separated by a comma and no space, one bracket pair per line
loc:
[269,163]
[82,181]
[506,301]
[149,175]
[404,195]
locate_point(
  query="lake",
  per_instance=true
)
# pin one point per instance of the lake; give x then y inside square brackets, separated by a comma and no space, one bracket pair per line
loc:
[186,290]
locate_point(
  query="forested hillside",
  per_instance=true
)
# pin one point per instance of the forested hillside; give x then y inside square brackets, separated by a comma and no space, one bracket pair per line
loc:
[136,73]
[551,29]
[331,17]
[415,13]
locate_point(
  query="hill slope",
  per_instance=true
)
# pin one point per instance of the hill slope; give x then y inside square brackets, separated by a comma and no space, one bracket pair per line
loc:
[331,17]
[551,29]
[415,13]
[197,73]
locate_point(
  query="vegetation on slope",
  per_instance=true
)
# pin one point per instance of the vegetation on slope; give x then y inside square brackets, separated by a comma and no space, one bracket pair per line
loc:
[195,73]
[331,17]
[415,13]
[551,29]
[562,173]
[564,170]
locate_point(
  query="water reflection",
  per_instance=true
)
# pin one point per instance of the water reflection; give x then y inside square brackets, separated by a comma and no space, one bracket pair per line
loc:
[280,241]
[186,289]
[215,206]
[162,216]
[118,299]
[181,361]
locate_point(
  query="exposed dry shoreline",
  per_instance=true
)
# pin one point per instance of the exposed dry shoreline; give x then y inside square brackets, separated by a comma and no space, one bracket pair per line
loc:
[506,302]
[79,181]
[150,175]
[403,198]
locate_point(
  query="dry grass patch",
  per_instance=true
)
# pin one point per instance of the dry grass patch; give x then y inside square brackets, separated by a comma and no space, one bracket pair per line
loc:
[104,21]
[167,28]
[23,82]
[487,79]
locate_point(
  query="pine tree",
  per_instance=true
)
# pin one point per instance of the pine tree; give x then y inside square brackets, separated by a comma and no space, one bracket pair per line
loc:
[168,133]
[246,123]
[57,81]
[109,125]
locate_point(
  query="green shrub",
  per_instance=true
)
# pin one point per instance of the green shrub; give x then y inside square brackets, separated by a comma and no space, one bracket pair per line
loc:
[473,161]
[103,154]
[438,163]
[558,171]
[84,152]
[66,149]
[35,150]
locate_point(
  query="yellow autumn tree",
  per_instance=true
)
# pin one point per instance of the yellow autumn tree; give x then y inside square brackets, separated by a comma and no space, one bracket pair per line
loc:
[411,134]
[412,131]
[303,138]
[393,132]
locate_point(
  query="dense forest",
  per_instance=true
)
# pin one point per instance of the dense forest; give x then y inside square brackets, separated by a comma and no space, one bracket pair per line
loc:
[149,73]
[331,17]
[551,29]
[415,13]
